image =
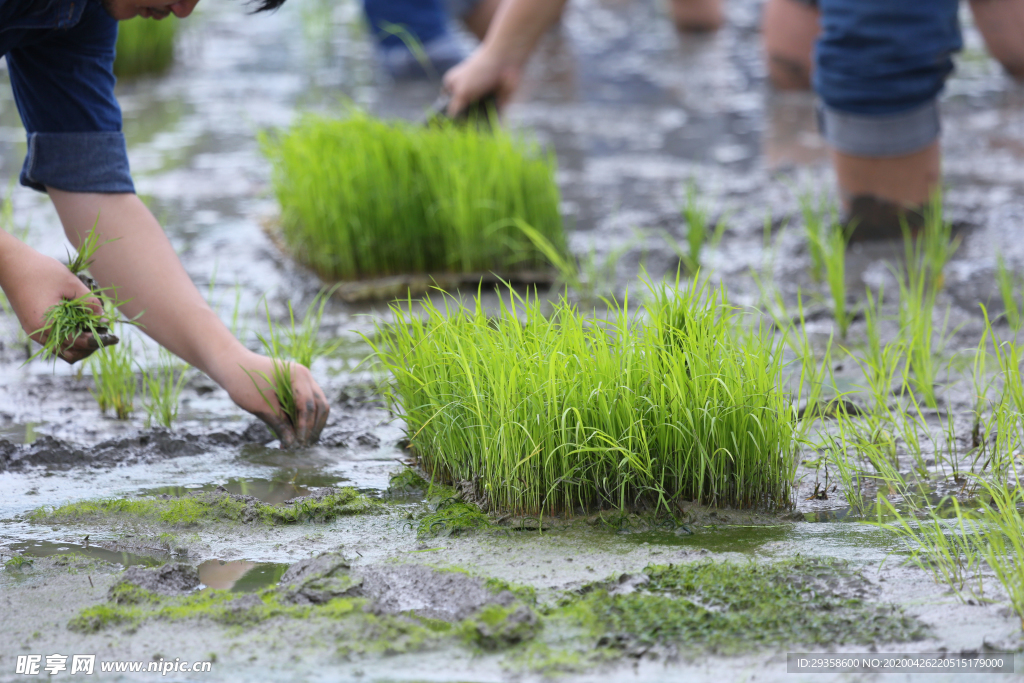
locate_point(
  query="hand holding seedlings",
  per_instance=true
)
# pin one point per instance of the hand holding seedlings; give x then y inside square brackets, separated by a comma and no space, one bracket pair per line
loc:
[292,403]
[53,306]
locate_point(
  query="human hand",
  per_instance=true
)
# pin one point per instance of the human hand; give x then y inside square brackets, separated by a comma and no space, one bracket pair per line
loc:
[479,75]
[34,284]
[249,388]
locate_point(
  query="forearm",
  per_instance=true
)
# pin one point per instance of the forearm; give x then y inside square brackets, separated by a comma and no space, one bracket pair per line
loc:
[518,26]
[146,273]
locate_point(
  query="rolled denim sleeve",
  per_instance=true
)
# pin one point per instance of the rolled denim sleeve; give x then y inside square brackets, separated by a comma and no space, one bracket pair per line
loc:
[63,84]
[879,67]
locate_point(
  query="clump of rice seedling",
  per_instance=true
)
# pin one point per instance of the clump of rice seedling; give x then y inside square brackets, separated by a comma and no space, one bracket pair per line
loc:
[115,382]
[162,390]
[814,226]
[563,414]
[365,198]
[1009,289]
[144,46]
[696,216]
[66,321]
[834,252]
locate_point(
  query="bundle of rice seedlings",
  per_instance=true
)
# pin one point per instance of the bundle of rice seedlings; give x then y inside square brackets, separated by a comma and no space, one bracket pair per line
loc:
[362,198]
[568,414]
[144,46]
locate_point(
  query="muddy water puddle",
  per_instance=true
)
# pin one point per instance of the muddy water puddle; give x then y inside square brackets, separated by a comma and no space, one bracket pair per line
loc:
[272,491]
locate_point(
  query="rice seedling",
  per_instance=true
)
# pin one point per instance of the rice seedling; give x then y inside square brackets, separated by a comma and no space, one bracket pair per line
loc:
[563,414]
[280,377]
[366,198]
[814,227]
[938,244]
[114,379]
[1010,286]
[1000,539]
[280,383]
[302,342]
[144,46]
[880,363]
[162,387]
[917,305]
[833,248]
[945,548]
[589,276]
[69,319]
[697,236]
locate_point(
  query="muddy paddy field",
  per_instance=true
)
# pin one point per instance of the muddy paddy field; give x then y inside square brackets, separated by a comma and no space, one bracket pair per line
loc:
[206,542]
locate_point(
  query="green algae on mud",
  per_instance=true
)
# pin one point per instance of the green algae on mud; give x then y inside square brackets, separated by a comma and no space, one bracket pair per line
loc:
[214,506]
[701,607]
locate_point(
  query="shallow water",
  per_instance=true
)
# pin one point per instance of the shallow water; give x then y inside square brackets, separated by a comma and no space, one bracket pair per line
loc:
[635,113]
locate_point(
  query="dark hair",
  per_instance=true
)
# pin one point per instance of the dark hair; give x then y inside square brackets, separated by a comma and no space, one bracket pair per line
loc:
[265,5]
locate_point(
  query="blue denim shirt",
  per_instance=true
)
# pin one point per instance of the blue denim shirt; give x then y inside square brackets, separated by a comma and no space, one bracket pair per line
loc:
[60,55]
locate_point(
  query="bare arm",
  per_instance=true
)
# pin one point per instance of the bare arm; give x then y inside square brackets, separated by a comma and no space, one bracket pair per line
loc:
[496,66]
[147,274]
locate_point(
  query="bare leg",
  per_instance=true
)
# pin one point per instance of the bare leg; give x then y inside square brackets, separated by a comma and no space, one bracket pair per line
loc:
[876,191]
[790,28]
[696,16]
[1001,23]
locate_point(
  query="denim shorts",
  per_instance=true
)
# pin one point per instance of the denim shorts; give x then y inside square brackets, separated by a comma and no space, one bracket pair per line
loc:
[879,67]
[60,57]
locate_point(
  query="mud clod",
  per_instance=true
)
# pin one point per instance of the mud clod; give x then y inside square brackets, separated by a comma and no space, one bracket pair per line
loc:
[168,580]
[149,446]
[319,580]
[448,596]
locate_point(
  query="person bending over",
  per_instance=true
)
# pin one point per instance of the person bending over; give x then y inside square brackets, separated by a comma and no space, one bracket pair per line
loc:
[60,57]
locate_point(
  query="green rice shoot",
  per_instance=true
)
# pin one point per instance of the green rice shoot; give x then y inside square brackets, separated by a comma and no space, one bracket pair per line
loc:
[144,46]
[565,414]
[1009,289]
[83,257]
[114,380]
[362,198]
[162,388]
[280,377]
[66,321]
[302,341]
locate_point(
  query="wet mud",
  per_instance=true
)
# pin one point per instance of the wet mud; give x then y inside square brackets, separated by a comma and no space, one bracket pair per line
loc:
[635,113]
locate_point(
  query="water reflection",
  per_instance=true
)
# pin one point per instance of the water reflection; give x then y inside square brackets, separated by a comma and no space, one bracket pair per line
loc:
[271,491]
[240,576]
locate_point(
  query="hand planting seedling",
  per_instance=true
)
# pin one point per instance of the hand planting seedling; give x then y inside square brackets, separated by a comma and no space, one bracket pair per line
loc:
[277,388]
[278,392]
[362,198]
